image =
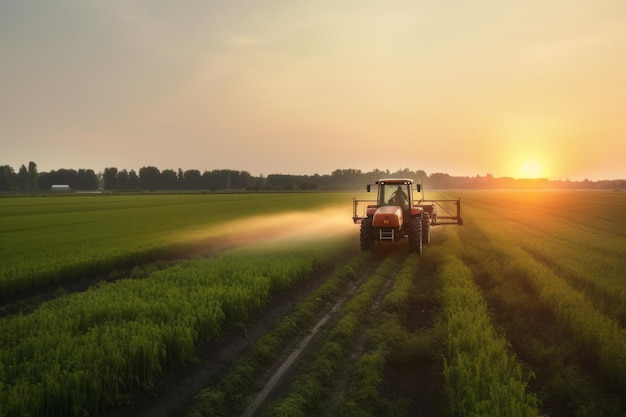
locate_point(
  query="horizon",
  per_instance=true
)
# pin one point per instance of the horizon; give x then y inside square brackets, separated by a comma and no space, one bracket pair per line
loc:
[528,90]
[390,173]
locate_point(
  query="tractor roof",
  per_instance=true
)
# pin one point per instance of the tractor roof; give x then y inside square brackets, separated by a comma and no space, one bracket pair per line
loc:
[395,181]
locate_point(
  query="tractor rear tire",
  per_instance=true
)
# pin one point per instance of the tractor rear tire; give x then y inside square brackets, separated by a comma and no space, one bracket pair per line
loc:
[415,234]
[425,228]
[367,235]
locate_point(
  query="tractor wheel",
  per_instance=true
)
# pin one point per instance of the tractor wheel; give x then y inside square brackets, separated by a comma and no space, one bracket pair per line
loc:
[415,234]
[367,235]
[425,228]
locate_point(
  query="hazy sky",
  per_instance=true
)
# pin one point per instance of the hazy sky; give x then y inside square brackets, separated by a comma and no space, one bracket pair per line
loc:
[510,88]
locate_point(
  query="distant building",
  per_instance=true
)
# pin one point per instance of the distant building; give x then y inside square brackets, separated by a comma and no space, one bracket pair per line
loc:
[60,188]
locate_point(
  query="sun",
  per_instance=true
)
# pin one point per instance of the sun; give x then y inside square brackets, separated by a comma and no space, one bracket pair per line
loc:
[531,169]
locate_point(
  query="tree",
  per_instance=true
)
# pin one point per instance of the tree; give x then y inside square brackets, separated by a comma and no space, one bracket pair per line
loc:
[122,180]
[87,179]
[62,176]
[193,179]
[241,179]
[439,180]
[110,178]
[169,179]
[150,178]
[420,176]
[22,177]
[7,177]
[181,179]
[133,180]
[32,175]
[347,178]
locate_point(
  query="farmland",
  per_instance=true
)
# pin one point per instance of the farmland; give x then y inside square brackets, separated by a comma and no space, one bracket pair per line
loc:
[52,239]
[519,312]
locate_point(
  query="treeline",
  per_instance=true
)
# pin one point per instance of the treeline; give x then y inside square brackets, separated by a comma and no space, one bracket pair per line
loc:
[150,178]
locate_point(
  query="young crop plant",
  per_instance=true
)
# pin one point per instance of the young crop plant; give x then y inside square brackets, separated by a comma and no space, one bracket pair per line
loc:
[482,378]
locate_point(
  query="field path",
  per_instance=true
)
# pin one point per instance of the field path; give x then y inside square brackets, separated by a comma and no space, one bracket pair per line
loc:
[286,364]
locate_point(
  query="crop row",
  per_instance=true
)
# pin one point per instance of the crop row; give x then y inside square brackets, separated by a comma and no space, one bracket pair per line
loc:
[598,334]
[388,340]
[482,377]
[577,272]
[555,283]
[313,384]
[85,352]
[585,248]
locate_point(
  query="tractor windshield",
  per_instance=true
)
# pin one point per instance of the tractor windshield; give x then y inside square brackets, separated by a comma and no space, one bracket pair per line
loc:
[394,195]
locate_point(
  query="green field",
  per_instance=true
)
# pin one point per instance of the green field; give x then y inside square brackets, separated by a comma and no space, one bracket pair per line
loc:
[52,239]
[520,312]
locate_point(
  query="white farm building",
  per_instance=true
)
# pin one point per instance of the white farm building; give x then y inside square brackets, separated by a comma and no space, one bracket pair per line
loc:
[60,188]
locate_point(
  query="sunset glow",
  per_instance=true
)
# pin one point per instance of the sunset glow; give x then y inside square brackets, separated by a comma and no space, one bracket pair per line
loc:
[506,88]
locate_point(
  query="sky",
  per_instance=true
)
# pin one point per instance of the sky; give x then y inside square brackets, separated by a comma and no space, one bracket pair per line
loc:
[521,89]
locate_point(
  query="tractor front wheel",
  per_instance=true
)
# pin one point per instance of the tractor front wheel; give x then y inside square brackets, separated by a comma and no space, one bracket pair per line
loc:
[415,234]
[425,228]
[367,234]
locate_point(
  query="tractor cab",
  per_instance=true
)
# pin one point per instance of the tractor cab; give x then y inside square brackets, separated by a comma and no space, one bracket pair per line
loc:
[395,193]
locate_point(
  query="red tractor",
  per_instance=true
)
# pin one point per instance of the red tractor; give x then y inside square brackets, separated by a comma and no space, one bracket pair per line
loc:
[395,215]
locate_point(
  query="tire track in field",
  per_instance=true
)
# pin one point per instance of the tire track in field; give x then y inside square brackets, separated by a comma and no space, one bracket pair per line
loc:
[343,375]
[295,351]
[294,359]
[411,382]
[420,378]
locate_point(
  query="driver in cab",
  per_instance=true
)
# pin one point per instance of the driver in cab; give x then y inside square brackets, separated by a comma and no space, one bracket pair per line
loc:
[399,198]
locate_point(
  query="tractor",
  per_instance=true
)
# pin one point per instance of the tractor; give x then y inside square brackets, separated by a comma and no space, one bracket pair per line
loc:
[396,214]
